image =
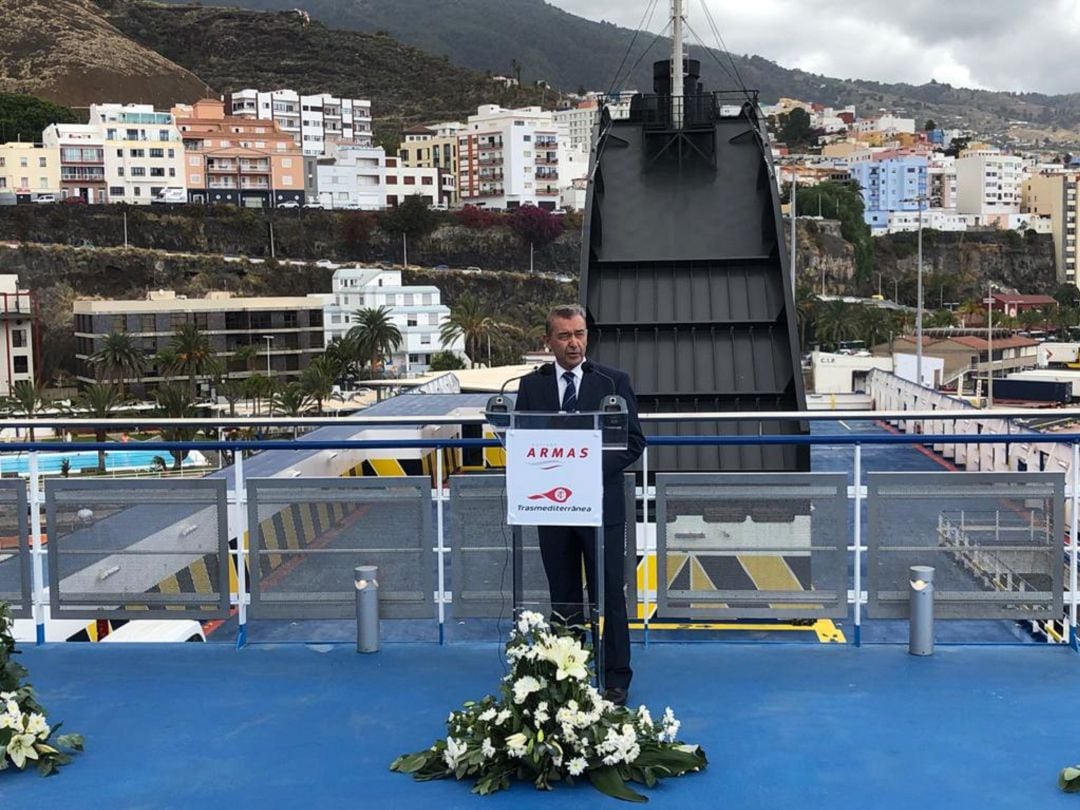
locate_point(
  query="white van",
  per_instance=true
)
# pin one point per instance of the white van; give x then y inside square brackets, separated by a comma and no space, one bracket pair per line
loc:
[172,194]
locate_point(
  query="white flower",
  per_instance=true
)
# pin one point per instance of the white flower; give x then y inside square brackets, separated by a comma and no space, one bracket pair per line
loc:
[8,720]
[671,727]
[36,725]
[487,749]
[502,717]
[12,708]
[643,715]
[576,766]
[568,657]
[6,696]
[524,687]
[487,715]
[454,752]
[21,748]
[529,620]
[516,744]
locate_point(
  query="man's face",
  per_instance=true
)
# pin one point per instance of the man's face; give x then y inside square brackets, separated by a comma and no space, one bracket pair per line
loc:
[567,340]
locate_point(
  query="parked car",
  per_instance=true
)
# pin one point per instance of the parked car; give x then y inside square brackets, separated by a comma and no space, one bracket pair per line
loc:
[173,195]
[441,267]
[327,263]
[288,204]
[313,204]
[45,198]
[472,270]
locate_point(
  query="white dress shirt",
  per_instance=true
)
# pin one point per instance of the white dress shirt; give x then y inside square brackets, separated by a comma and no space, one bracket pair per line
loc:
[578,374]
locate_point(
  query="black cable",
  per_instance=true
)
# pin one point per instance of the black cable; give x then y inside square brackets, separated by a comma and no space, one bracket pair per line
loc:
[646,18]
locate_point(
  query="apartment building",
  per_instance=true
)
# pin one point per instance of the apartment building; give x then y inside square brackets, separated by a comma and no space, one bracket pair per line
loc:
[894,184]
[408,181]
[18,333]
[418,312]
[988,185]
[434,147]
[143,151]
[285,332]
[82,160]
[577,123]
[351,177]
[315,122]
[1055,195]
[509,158]
[28,170]
[237,160]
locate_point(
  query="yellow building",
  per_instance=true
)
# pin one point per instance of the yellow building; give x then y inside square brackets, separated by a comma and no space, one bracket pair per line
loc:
[1055,195]
[29,170]
[434,147]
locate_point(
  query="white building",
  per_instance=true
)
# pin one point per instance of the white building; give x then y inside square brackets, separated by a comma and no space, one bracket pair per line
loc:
[509,158]
[144,152]
[577,123]
[314,121]
[17,334]
[417,312]
[408,181]
[352,177]
[988,184]
[82,160]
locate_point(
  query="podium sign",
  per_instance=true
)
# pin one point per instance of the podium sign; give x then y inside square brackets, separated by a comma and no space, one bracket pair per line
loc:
[554,477]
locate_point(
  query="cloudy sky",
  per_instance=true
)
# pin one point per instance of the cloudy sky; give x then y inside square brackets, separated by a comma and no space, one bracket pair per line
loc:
[1022,45]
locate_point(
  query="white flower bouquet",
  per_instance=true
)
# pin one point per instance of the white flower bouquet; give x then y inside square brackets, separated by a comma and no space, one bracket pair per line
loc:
[25,736]
[550,724]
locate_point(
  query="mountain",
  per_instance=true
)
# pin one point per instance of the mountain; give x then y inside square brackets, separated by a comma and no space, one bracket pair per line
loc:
[63,51]
[232,49]
[571,52]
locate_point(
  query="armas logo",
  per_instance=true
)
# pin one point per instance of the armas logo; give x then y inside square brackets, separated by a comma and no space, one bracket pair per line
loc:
[550,457]
[558,495]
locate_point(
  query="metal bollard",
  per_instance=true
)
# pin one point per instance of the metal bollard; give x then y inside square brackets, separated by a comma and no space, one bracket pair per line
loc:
[366,580]
[921,638]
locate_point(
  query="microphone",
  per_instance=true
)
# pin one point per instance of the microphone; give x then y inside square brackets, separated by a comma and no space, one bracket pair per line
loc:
[498,407]
[588,367]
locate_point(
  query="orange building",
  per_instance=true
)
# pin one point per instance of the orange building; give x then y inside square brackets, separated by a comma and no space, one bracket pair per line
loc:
[242,161]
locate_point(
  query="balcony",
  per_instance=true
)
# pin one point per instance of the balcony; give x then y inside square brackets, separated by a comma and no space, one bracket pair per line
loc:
[262,168]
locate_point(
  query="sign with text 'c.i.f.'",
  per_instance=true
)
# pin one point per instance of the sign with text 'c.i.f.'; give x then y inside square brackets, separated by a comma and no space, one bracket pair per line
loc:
[554,478]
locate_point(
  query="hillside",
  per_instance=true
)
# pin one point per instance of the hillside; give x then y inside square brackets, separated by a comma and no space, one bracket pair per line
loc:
[232,49]
[571,52]
[63,51]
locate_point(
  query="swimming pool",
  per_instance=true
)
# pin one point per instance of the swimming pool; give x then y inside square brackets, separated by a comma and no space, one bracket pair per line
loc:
[117,460]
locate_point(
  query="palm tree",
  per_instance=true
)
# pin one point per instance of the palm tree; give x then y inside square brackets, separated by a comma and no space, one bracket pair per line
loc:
[176,402]
[875,325]
[291,400]
[246,355]
[941,317]
[25,400]
[470,320]
[971,307]
[233,391]
[341,355]
[805,302]
[191,355]
[317,380]
[255,388]
[375,335]
[99,401]
[835,321]
[119,357]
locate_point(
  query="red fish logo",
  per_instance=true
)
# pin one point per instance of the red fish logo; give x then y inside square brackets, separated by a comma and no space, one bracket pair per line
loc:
[558,494]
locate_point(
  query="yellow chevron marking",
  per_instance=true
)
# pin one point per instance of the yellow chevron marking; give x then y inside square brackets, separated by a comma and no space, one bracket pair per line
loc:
[91,631]
[772,573]
[170,585]
[699,579]
[642,584]
[288,521]
[675,563]
[200,576]
[270,540]
[307,525]
[828,632]
[323,511]
[389,467]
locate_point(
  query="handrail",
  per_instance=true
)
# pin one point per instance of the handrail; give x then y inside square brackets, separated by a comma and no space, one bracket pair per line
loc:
[662,416]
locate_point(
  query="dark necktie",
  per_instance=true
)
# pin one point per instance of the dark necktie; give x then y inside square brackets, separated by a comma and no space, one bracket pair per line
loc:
[569,398]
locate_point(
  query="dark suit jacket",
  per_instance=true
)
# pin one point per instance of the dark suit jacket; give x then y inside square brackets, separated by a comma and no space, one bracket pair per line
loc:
[540,392]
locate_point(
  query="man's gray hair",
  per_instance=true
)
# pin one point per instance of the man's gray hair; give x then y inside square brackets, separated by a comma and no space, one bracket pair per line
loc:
[563,311]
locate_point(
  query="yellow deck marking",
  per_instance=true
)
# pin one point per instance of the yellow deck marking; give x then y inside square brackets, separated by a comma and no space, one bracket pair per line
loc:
[389,467]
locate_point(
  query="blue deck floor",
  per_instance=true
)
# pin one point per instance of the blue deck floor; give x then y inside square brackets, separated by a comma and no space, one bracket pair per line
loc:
[785,726]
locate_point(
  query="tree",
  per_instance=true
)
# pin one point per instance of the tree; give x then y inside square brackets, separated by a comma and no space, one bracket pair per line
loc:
[191,355]
[99,401]
[469,319]
[941,317]
[445,361]
[176,402]
[930,125]
[317,380]
[411,217]
[255,388]
[291,400]
[25,400]
[843,201]
[834,322]
[477,219]
[793,128]
[374,335]
[535,226]
[233,391]
[118,357]
[23,117]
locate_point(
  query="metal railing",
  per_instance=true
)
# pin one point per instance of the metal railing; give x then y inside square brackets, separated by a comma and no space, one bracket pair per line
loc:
[993,441]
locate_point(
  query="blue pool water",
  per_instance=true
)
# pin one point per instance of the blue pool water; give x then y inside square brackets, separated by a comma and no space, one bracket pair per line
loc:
[80,459]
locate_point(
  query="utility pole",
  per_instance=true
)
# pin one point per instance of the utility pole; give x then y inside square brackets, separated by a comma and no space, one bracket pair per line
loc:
[272,252]
[794,187]
[125,230]
[404,249]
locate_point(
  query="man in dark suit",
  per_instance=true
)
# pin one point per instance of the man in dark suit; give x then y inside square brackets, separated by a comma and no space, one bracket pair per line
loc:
[575,384]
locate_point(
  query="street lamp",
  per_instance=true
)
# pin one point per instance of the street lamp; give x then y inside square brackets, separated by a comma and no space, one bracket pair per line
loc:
[918,294]
[269,339]
[990,346]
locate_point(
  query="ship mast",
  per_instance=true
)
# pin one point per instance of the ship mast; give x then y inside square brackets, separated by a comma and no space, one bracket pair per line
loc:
[678,17]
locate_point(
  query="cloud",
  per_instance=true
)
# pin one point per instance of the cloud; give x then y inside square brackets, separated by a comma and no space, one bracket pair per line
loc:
[991,44]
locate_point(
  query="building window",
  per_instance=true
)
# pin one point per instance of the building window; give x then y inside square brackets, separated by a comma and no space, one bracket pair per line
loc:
[147,323]
[23,163]
[138,171]
[287,180]
[157,153]
[196,179]
[410,180]
[116,191]
[172,153]
[137,153]
[194,160]
[290,319]
[120,171]
[21,364]
[286,163]
[157,171]
[172,172]
[42,162]
[163,134]
[18,338]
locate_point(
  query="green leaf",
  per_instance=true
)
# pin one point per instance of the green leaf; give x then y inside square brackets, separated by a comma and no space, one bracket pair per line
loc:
[608,781]
[1069,779]
[410,763]
[74,741]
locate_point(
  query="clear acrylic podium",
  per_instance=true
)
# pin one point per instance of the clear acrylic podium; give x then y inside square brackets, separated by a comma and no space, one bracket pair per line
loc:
[611,425]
